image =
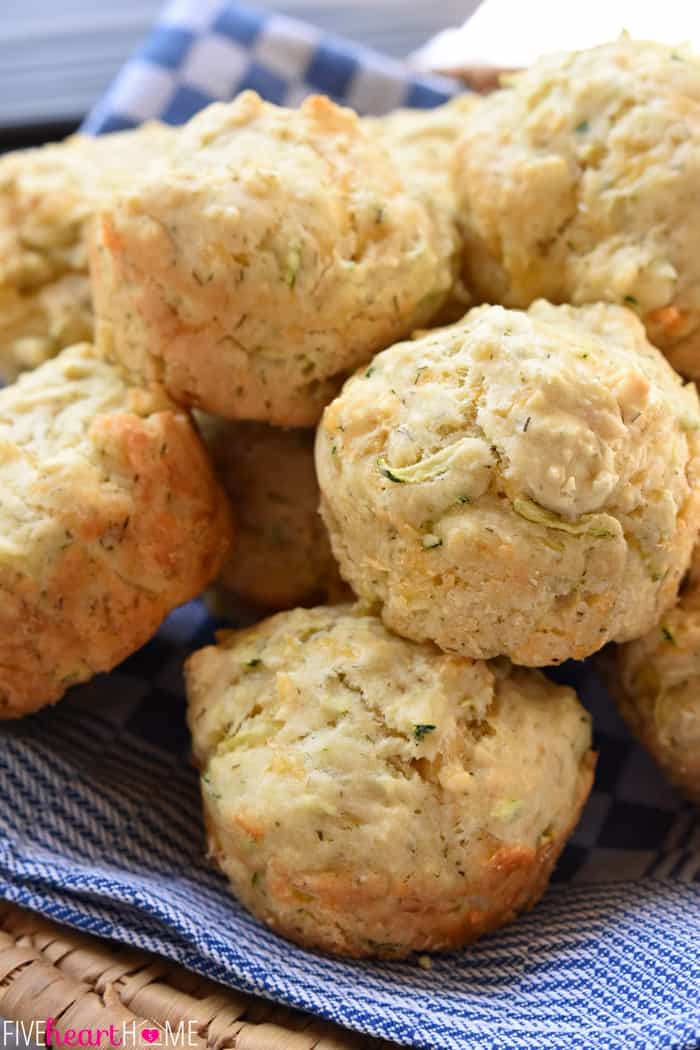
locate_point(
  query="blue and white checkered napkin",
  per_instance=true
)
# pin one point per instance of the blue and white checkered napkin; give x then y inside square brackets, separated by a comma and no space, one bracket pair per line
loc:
[100,825]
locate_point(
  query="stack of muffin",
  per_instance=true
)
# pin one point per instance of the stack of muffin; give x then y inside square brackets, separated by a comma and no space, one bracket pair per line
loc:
[383,768]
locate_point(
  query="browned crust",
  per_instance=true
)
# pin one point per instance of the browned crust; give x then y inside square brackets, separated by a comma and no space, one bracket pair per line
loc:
[150,536]
[676,331]
[479,78]
[373,917]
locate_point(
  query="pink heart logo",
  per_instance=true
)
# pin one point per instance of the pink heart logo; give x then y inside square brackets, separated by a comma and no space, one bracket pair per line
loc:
[151,1035]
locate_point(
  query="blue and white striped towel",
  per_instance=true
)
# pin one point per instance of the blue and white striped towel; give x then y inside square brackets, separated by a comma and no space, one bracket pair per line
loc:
[100,825]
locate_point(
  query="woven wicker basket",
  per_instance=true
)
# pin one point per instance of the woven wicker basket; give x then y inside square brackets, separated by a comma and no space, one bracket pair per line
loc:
[48,970]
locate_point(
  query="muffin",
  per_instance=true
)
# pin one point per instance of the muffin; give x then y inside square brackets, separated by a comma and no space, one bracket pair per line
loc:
[656,682]
[277,250]
[47,197]
[578,183]
[367,795]
[111,516]
[283,555]
[519,484]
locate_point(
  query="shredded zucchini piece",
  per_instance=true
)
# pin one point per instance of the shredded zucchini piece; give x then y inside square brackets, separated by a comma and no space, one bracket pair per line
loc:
[427,469]
[602,526]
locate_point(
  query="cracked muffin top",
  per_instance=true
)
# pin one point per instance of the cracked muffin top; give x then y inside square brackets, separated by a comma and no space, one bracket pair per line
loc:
[47,198]
[519,484]
[110,517]
[578,182]
[275,251]
[369,795]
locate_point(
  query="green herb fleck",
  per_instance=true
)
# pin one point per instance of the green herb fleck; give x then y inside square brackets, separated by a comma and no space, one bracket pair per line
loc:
[631,300]
[369,372]
[255,662]
[430,300]
[507,808]
[527,424]
[668,634]
[422,729]
[293,265]
[207,785]
[583,127]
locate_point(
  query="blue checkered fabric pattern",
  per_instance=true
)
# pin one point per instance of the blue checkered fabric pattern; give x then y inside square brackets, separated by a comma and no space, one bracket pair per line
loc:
[205,50]
[100,823]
